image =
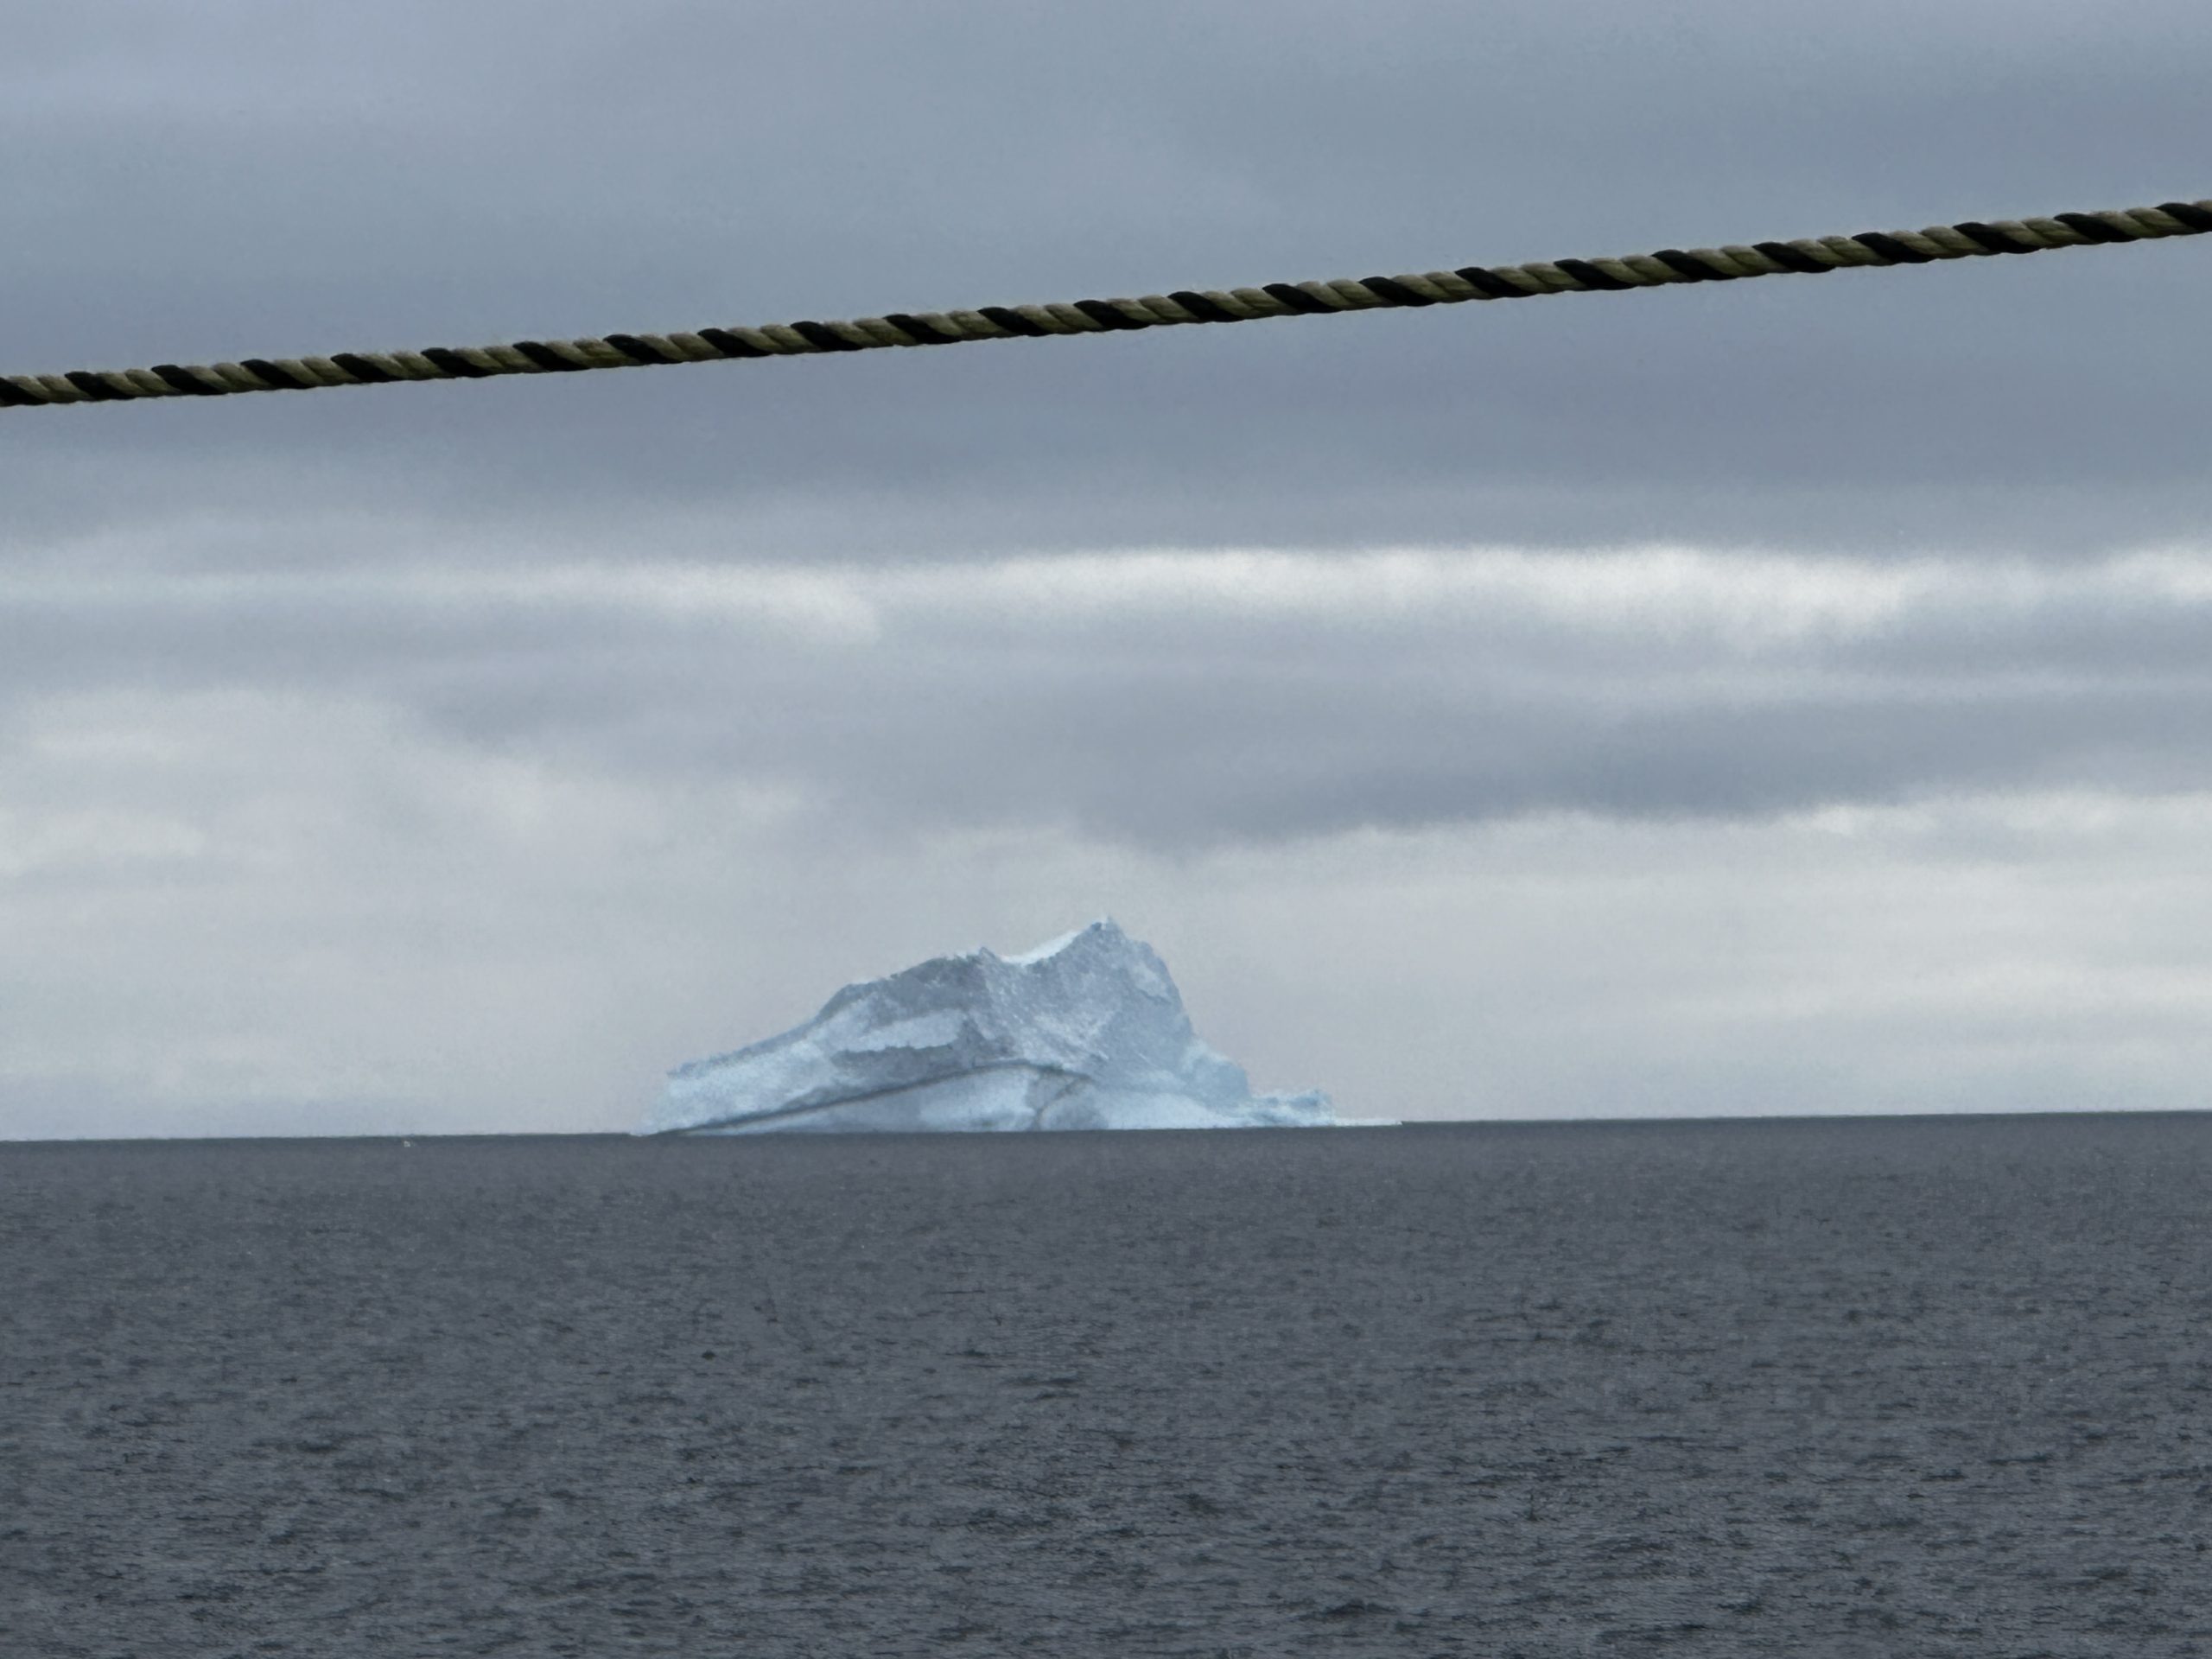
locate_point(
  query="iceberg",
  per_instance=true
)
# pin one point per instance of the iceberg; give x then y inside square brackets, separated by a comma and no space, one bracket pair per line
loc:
[1085,1033]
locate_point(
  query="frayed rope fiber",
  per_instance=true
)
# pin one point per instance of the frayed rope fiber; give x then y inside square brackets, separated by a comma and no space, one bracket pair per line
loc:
[1972,239]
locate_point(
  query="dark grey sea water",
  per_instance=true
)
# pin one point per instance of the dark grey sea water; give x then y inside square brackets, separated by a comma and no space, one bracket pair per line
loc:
[1838,1388]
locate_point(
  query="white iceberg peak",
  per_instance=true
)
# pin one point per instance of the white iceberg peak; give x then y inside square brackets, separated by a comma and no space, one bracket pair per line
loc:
[1085,1031]
[1104,925]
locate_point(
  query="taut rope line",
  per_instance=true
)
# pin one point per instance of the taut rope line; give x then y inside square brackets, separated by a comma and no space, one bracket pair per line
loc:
[1811,256]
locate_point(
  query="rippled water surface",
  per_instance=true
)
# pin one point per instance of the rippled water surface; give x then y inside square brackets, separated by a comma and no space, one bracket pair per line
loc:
[1879,1387]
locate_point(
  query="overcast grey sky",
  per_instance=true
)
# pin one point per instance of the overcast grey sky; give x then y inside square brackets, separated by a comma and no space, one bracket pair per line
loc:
[1783,696]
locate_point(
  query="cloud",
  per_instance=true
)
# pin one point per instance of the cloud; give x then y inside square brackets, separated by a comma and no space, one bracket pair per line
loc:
[837,159]
[236,913]
[486,845]
[1183,699]
[1784,695]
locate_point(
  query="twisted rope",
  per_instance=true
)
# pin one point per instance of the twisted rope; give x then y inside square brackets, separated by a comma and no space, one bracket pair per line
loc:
[1972,240]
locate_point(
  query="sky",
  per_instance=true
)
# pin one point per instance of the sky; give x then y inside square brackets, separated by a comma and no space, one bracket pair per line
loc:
[1774,697]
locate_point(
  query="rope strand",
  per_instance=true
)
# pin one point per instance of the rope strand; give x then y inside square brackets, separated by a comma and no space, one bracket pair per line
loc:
[1971,239]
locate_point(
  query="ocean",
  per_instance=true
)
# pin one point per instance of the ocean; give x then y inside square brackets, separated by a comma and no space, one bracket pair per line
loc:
[1881,1387]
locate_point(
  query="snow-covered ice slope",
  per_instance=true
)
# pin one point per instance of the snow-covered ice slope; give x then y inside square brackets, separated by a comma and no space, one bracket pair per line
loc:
[1086,1032]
